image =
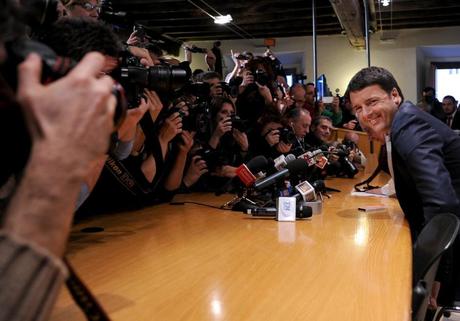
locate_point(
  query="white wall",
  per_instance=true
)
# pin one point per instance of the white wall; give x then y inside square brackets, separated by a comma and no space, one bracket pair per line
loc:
[339,61]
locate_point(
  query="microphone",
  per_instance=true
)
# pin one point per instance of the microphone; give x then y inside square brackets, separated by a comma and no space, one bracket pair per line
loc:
[281,161]
[300,212]
[295,167]
[245,172]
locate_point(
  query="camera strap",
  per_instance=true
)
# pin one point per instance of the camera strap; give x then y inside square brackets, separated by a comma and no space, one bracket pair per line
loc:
[83,297]
[124,177]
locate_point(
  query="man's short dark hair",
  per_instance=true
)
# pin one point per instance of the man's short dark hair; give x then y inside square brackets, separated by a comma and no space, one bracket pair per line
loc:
[428,88]
[451,98]
[74,37]
[318,120]
[373,76]
[295,113]
[210,75]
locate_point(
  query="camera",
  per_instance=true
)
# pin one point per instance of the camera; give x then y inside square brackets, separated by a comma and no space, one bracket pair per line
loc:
[196,49]
[198,118]
[346,167]
[261,77]
[243,57]
[212,158]
[238,123]
[225,87]
[135,77]
[287,135]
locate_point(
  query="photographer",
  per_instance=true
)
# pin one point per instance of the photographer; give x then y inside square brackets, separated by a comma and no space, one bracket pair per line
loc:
[73,37]
[256,91]
[266,139]
[31,251]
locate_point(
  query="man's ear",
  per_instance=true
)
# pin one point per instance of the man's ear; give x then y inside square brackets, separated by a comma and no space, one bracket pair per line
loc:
[397,99]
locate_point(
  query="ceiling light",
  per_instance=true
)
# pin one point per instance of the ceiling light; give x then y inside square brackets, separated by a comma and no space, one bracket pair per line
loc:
[385,3]
[221,20]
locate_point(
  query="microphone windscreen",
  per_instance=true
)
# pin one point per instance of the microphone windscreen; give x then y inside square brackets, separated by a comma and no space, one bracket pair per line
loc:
[257,164]
[290,158]
[297,166]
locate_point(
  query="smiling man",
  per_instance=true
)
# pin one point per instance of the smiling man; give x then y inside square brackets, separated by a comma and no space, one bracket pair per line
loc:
[423,152]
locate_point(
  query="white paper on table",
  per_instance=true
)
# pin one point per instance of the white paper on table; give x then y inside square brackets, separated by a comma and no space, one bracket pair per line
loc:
[364,194]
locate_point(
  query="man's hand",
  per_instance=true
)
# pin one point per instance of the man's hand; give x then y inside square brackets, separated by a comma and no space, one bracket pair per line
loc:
[71,116]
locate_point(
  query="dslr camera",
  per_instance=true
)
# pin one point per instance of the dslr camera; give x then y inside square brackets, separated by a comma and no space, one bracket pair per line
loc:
[287,135]
[135,77]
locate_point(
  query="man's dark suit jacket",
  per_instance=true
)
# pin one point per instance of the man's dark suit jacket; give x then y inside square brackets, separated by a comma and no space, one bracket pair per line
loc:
[426,162]
[456,120]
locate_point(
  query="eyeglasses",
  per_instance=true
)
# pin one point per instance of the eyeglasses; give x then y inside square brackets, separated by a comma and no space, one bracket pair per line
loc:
[88,6]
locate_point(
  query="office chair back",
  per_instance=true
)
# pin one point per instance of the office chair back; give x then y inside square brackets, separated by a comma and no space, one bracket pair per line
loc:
[435,238]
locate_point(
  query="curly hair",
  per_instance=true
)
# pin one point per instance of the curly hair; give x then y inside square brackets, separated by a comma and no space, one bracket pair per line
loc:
[74,37]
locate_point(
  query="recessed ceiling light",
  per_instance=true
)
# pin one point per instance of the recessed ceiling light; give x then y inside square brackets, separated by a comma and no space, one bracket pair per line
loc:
[385,3]
[221,20]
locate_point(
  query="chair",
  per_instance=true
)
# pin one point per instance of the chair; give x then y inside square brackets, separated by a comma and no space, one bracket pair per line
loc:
[435,238]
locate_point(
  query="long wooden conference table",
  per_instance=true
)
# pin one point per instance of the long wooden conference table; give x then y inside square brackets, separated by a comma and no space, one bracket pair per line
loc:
[190,262]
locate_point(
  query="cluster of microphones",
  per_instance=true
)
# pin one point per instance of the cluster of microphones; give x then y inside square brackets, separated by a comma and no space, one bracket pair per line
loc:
[261,183]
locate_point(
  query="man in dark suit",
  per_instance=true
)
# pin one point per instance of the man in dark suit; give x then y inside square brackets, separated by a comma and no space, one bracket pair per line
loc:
[425,153]
[449,105]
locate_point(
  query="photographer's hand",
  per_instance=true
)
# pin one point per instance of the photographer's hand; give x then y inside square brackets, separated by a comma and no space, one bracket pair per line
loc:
[70,121]
[248,78]
[197,168]
[272,137]
[351,124]
[283,147]
[265,92]
[127,129]
[154,103]
[133,39]
[187,141]
[241,139]
[223,126]
[170,128]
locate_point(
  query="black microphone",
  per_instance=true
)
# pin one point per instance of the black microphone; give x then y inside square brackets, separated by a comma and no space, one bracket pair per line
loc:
[301,211]
[294,167]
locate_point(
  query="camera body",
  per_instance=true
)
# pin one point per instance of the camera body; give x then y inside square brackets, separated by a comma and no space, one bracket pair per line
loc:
[196,49]
[346,168]
[260,77]
[238,123]
[287,135]
[212,158]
